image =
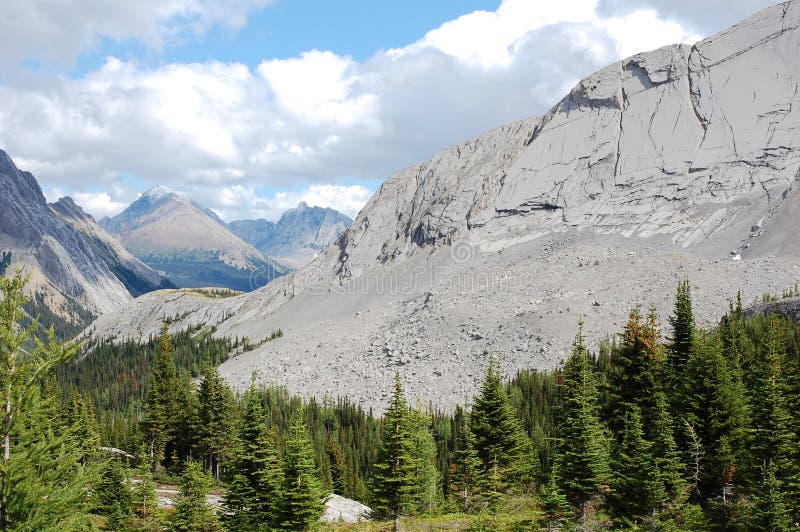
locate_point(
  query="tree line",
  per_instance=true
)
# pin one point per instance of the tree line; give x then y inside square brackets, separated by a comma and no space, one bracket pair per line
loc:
[698,431]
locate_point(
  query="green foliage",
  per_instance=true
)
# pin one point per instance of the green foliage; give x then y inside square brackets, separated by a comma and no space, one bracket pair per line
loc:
[393,493]
[502,445]
[113,497]
[161,404]
[192,513]
[303,496]
[255,491]
[40,461]
[429,487]
[583,458]
[770,511]
[217,420]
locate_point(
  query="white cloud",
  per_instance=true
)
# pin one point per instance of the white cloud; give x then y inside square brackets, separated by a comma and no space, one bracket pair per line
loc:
[59,30]
[223,130]
[239,202]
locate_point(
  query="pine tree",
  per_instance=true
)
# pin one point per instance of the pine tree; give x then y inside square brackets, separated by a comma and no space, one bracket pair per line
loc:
[303,498]
[772,440]
[192,513]
[638,489]
[498,434]
[217,421]
[716,410]
[161,403]
[393,492]
[187,426]
[143,496]
[467,482]
[252,501]
[37,461]
[683,328]
[428,489]
[553,500]
[583,458]
[113,496]
[637,371]
[770,512]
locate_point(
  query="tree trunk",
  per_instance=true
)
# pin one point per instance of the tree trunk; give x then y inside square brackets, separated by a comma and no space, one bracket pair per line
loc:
[396,520]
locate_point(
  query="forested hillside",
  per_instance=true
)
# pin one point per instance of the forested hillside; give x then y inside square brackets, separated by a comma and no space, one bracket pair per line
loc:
[697,431]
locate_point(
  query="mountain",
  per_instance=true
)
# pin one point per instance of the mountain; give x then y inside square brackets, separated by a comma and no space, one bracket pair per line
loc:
[77,269]
[298,237]
[679,162]
[189,243]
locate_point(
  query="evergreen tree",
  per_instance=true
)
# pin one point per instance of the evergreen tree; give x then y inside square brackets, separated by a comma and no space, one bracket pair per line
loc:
[716,411]
[467,482]
[38,463]
[772,440]
[498,434]
[583,458]
[770,512]
[161,403]
[143,496]
[638,489]
[192,513]
[187,425]
[637,371]
[252,501]
[303,498]
[113,496]
[683,327]
[393,492]
[553,500]
[217,421]
[428,489]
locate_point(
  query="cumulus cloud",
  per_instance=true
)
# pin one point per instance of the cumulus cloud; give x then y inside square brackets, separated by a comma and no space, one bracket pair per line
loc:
[225,130]
[706,17]
[58,30]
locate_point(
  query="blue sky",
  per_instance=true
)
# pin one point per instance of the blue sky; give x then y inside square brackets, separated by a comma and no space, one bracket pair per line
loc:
[251,106]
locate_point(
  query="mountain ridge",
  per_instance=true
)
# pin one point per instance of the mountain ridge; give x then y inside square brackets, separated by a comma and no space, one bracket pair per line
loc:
[191,244]
[679,162]
[71,259]
[298,236]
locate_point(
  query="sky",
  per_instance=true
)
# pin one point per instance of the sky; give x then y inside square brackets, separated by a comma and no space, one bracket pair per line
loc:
[251,106]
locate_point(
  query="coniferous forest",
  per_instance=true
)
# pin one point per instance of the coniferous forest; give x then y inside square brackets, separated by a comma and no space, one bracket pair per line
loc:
[697,430]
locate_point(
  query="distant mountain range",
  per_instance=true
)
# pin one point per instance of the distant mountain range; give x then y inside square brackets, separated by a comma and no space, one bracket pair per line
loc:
[77,269]
[190,244]
[298,237]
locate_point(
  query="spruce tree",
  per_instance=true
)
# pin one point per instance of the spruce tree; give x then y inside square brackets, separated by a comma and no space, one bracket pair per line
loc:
[583,452]
[303,497]
[192,513]
[393,492]
[467,482]
[39,462]
[217,421]
[161,403]
[143,495]
[716,411]
[255,491]
[499,438]
[637,487]
[683,327]
[770,511]
[637,371]
[772,440]
[113,496]
[429,488]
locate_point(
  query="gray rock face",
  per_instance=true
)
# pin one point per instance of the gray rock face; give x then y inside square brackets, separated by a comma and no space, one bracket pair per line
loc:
[297,237]
[189,243]
[683,161]
[70,258]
